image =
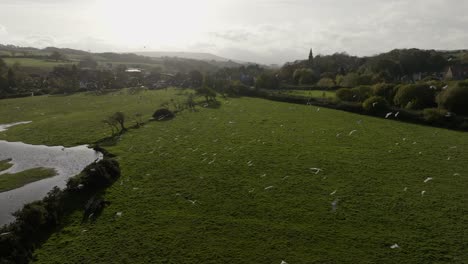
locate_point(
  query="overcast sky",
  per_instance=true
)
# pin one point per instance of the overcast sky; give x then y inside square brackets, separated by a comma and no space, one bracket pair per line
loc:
[265,31]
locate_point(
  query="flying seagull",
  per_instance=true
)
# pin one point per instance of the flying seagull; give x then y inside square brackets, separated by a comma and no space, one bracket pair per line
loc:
[394,246]
[316,170]
[388,114]
[428,179]
[334,205]
[352,132]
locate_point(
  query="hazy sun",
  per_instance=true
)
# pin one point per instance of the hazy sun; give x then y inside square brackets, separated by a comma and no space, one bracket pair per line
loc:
[153,23]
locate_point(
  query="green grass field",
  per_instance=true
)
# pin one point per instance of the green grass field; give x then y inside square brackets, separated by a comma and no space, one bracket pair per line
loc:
[309,93]
[34,63]
[5,164]
[235,185]
[10,181]
[75,119]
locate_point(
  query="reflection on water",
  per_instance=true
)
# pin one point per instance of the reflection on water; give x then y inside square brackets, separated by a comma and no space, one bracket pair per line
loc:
[66,161]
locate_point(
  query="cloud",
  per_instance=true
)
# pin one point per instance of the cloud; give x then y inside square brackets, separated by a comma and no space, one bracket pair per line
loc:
[233,35]
[267,31]
[3,30]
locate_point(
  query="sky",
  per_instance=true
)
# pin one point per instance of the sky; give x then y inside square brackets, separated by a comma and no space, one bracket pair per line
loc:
[263,31]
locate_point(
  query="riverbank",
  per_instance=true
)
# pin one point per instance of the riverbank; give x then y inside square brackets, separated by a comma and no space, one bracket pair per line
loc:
[11,181]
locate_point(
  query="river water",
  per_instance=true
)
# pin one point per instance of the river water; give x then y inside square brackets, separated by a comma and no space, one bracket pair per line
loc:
[67,162]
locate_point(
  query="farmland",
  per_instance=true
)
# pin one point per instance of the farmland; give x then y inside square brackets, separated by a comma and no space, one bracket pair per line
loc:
[35,63]
[256,181]
[308,93]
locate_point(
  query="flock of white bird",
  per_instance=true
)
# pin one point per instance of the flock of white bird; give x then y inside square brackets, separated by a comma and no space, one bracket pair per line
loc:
[314,170]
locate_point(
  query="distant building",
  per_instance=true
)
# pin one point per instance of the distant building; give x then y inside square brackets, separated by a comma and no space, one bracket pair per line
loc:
[457,72]
[133,70]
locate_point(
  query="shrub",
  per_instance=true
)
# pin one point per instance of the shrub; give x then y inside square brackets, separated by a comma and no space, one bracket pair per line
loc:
[267,80]
[345,94]
[415,96]
[455,98]
[100,174]
[384,90]
[326,83]
[353,79]
[37,220]
[435,116]
[163,114]
[361,93]
[375,105]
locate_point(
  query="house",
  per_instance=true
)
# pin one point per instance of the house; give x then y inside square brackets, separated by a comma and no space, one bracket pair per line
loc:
[456,72]
[133,71]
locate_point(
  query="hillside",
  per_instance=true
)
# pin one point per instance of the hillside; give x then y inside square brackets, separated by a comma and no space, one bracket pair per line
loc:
[186,55]
[36,60]
[256,181]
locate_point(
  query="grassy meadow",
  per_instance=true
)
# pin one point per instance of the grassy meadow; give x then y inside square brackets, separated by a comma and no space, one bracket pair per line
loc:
[75,119]
[5,164]
[309,93]
[35,63]
[10,181]
[257,181]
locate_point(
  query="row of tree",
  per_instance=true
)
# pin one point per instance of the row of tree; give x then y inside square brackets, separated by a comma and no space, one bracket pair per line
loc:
[448,98]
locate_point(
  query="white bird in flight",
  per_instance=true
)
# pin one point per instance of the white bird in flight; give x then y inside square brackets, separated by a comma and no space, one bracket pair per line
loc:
[333,193]
[352,132]
[394,246]
[388,114]
[428,179]
[334,205]
[316,170]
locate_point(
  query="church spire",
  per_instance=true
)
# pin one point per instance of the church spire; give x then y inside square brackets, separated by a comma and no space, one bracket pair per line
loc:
[311,56]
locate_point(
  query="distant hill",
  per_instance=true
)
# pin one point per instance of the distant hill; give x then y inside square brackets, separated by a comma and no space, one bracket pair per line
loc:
[184,55]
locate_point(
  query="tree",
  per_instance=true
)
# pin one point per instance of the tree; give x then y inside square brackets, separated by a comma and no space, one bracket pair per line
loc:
[267,80]
[361,93]
[455,98]
[350,80]
[415,96]
[345,94]
[354,79]
[112,123]
[304,76]
[375,105]
[207,92]
[3,66]
[196,78]
[88,62]
[119,117]
[57,56]
[384,90]
[326,83]
[11,79]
